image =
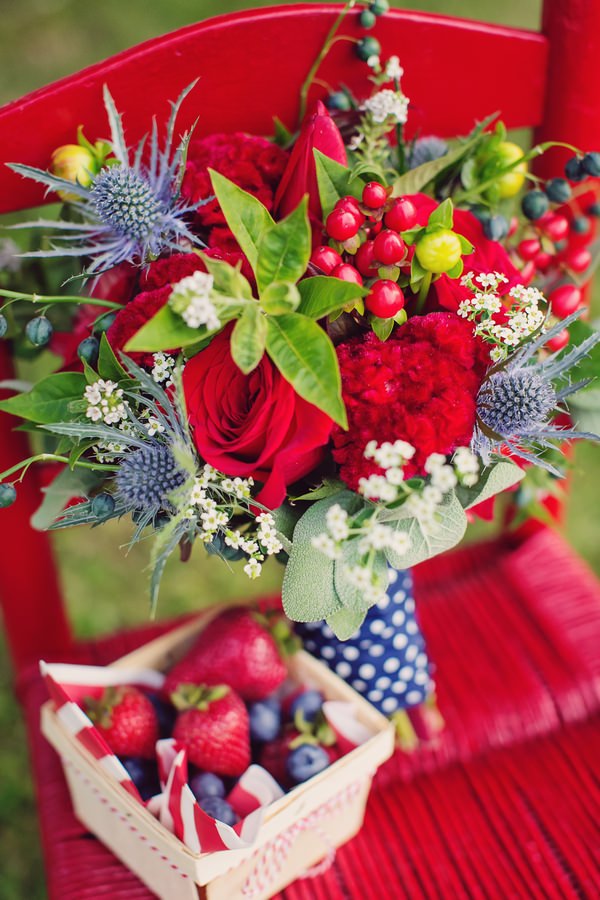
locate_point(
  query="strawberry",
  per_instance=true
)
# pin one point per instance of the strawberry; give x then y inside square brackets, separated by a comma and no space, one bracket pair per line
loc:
[213,727]
[235,649]
[127,721]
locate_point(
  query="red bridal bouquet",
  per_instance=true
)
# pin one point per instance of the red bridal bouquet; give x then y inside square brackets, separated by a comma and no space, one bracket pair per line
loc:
[326,347]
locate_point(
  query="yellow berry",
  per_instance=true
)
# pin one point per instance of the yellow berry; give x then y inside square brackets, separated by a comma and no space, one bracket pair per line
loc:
[73,163]
[512,182]
[439,251]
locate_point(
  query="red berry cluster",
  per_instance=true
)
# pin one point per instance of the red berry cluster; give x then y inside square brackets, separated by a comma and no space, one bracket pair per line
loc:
[369,248]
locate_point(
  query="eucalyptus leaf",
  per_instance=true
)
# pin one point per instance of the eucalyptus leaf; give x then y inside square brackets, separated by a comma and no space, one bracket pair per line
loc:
[245,215]
[426,543]
[284,249]
[493,480]
[306,358]
[322,295]
[48,401]
[248,338]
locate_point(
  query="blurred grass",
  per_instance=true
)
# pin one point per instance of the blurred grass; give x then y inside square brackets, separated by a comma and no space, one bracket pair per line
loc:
[41,40]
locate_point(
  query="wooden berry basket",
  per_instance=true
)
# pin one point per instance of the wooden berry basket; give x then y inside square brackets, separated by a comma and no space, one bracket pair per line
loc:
[308,822]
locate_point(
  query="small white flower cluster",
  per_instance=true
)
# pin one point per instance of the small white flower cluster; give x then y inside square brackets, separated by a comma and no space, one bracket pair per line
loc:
[190,298]
[162,371]
[212,500]
[105,402]
[387,106]
[523,317]
[393,69]
[391,458]
[466,466]
[153,426]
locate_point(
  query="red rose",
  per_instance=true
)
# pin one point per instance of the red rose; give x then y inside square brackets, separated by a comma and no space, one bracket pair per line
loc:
[252,425]
[319,132]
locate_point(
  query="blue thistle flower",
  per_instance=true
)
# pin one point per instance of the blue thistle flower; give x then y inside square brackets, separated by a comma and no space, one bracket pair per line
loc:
[147,477]
[426,149]
[519,398]
[131,211]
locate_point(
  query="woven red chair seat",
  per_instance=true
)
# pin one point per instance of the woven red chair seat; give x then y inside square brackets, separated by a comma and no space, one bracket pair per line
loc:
[508,797]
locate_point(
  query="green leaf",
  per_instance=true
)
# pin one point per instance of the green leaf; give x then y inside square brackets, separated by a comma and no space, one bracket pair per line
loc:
[67,485]
[165,331]
[248,339]
[443,215]
[245,215]
[346,622]
[327,488]
[334,182]
[283,136]
[493,480]
[49,399]
[465,245]
[584,408]
[382,327]
[308,592]
[425,544]
[588,366]
[228,280]
[350,596]
[306,358]
[280,297]
[322,295]
[284,249]
[456,270]
[108,364]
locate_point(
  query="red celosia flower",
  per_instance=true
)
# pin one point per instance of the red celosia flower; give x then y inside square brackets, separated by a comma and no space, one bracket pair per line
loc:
[419,386]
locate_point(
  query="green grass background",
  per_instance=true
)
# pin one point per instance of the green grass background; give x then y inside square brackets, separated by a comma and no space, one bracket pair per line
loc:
[41,40]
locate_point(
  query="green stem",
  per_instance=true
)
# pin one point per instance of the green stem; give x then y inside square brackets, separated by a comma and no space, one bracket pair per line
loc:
[423,291]
[53,457]
[39,298]
[329,41]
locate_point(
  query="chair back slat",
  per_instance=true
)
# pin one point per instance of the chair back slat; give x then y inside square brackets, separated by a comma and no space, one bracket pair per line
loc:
[250,66]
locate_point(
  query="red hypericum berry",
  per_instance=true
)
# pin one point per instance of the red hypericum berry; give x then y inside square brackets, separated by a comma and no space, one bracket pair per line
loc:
[528,272]
[385,299]
[578,260]
[347,273]
[364,259]
[402,216]
[350,204]
[341,224]
[389,247]
[326,259]
[374,195]
[558,341]
[554,226]
[564,300]
[529,248]
[543,261]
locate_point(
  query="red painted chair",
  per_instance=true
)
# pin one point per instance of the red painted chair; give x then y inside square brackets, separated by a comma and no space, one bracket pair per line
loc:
[506,803]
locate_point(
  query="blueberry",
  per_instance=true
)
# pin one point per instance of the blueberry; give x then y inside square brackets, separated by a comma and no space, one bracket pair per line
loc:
[581,225]
[8,495]
[480,212]
[309,703]
[39,331]
[219,809]
[558,190]
[535,204]
[144,774]
[495,228]
[367,18]
[368,47]
[338,100]
[218,547]
[3,325]
[265,720]
[593,210]
[103,506]
[205,785]
[574,169]
[104,322]
[379,7]
[88,350]
[591,164]
[165,713]
[306,761]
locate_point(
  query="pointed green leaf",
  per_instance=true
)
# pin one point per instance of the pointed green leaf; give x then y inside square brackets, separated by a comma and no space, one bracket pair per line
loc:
[245,215]
[282,135]
[284,249]
[457,270]
[443,215]
[108,364]
[382,327]
[465,245]
[228,280]
[306,358]
[322,295]
[493,480]
[280,297]
[48,401]
[248,338]
[67,485]
[167,331]
[334,182]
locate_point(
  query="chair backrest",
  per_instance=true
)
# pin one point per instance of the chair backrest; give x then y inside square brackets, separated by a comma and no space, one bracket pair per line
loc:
[250,66]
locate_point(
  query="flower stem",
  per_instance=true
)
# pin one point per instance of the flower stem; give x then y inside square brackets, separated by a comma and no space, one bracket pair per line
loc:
[53,457]
[423,291]
[327,45]
[39,298]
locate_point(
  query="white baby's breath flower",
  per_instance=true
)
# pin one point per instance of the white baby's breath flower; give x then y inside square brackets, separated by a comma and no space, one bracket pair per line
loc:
[444,478]
[253,568]
[393,69]
[326,545]
[433,462]
[387,105]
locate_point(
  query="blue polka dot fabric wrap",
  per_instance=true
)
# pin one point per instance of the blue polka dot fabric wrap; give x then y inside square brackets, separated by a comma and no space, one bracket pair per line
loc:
[386,660]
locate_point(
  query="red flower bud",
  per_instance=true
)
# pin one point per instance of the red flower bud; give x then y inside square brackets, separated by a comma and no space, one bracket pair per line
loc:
[319,132]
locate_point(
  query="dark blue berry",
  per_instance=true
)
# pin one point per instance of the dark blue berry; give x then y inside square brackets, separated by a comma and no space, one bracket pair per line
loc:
[581,225]
[309,703]
[558,190]
[265,720]
[39,331]
[368,47]
[367,18]
[338,101]
[534,205]
[306,761]
[591,164]
[495,228]
[218,547]
[574,169]
[103,506]
[165,713]
[144,774]
[480,212]
[8,495]
[205,785]
[594,210]
[104,322]
[379,7]
[219,809]
[88,350]
[3,325]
